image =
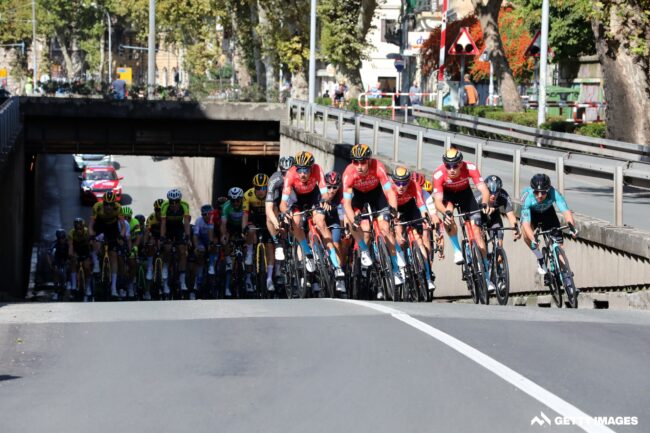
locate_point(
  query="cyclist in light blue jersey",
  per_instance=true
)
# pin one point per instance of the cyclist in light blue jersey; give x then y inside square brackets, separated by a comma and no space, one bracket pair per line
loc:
[537,209]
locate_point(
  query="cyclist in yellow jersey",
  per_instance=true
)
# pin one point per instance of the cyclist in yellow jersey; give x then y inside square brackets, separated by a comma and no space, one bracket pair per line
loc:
[255,218]
[79,251]
[151,241]
[105,221]
[174,228]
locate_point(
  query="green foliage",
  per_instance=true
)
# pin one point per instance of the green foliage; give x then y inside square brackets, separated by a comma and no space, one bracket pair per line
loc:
[598,130]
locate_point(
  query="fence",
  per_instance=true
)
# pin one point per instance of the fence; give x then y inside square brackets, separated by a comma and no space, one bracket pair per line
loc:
[363,100]
[576,153]
[9,125]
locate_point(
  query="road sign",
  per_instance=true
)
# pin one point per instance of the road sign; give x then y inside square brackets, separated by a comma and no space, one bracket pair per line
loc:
[463,45]
[399,64]
[534,47]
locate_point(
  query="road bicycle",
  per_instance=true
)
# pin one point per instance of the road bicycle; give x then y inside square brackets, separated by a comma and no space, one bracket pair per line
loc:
[473,268]
[379,250]
[559,276]
[415,287]
[498,262]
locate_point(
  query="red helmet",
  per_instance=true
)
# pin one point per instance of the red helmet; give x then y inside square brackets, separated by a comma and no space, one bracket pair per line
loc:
[418,178]
[333,178]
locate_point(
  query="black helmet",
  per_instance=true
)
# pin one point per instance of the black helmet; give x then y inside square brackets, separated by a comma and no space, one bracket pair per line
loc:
[540,182]
[333,178]
[452,156]
[60,234]
[360,152]
[140,218]
[206,208]
[494,184]
[78,223]
[286,162]
[158,204]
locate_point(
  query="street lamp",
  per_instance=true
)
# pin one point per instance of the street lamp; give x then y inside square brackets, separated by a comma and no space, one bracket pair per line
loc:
[312,52]
[151,61]
[543,61]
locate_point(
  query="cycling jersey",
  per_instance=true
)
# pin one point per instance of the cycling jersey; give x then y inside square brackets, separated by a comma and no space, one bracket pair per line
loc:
[153,224]
[79,240]
[292,182]
[174,215]
[501,202]
[276,184]
[253,204]
[530,205]
[202,229]
[443,183]
[365,183]
[231,215]
[134,229]
[59,251]
[106,215]
[413,192]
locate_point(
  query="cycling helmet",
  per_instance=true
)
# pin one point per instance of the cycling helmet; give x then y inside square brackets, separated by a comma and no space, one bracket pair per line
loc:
[140,219]
[360,152]
[418,178]
[540,182]
[78,223]
[304,159]
[174,194]
[286,162]
[158,204]
[127,211]
[260,180]
[60,234]
[206,208]
[221,200]
[401,174]
[333,178]
[494,184]
[428,186]
[110,197]
[235,193]
[452,156]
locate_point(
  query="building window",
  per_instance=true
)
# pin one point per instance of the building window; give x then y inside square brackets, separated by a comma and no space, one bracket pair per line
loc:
[386,26]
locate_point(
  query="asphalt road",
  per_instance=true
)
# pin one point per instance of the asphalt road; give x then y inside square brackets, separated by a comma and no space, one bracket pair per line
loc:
[317,366]
[586,195]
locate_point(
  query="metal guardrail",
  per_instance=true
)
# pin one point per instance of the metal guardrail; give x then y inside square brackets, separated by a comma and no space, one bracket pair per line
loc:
[9,125]
[304,115]
[560,140]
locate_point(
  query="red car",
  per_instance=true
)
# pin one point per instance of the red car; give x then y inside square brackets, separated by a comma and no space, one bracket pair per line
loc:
[96,180]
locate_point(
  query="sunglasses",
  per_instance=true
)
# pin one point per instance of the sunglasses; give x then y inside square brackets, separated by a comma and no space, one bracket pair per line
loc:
[452,166]
[261,188]
[541,192]
[402,184]
[303,170]
[332,187]
[365,161]
[107,204]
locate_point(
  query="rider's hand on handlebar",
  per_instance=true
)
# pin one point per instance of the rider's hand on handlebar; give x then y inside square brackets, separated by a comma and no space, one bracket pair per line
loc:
[517,232]
[325,206]
[573,230]
[449,218]
[485,208]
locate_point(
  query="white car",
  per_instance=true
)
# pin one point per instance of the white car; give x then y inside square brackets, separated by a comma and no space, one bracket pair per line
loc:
[81,160]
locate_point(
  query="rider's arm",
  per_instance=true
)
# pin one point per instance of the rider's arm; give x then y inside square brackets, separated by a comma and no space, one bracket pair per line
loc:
[387,185]
[270,213]
[224,228]
[70,247]
[163,219]
[186,219]
[347,196]
[419,199]
[524,215]
[286,190]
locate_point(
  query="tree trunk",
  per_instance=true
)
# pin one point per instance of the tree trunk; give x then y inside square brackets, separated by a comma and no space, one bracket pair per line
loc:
[271,82]
[299,85]
[69,72]
[488,15]
[626,76]
[260,75]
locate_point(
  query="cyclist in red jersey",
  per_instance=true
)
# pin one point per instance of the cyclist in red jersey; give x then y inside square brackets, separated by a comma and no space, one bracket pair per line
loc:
[411,206]
[307,181]
[451,187]
[365,180]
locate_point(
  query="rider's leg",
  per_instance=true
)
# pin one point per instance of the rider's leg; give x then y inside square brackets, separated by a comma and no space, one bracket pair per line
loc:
[250,241]
[73,272]
[94,254]
[182,265]
[299,234]
[113,257]
[396,253]
[319,221]
[199,265]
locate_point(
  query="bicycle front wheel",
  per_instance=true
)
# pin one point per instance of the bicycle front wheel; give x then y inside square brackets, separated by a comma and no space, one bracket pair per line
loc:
[300,262]
[480,274]
[566,279]
[468,274]
[501,277]
[420,274]
[386,269]
[551,279]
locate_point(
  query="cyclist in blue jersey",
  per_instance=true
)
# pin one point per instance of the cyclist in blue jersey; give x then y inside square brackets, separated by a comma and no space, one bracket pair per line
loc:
[537,209]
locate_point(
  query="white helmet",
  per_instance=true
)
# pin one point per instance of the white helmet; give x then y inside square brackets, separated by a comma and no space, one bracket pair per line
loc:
[174,194]
[235,192]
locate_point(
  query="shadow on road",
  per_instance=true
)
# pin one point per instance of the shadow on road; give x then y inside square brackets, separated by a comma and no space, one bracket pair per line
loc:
[4,377]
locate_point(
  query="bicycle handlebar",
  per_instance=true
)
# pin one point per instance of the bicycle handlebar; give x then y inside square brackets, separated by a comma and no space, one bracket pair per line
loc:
[555,229]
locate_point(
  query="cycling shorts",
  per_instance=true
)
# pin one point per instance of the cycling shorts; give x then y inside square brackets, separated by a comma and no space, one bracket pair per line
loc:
[175,232]
[493,221]
[546,220]
[307,201]
[464,201]
[409,211]
[375,198]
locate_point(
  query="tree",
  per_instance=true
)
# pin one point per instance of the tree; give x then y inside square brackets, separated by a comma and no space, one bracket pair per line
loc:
[345,27]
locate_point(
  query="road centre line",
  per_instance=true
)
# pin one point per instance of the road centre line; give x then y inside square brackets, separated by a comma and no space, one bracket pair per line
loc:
[540,394]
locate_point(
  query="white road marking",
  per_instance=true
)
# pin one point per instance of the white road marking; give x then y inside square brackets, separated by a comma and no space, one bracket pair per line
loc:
[540,394]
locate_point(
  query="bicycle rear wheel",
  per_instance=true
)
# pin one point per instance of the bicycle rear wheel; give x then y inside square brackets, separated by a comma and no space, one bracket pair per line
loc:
[468,274]
[501,276]
[566,279]
[260,271]
[551,279]
[386,269]
[354,276]
[479,274]
[325,271]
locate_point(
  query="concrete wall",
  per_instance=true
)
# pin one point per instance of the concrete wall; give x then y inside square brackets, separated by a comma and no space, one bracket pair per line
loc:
[12,221]
[199,173]
[604,255]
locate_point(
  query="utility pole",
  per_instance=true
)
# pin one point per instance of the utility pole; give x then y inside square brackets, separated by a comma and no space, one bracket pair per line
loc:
[543,63]
[151,61]
[312,52]
[441,61]
[34,45]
